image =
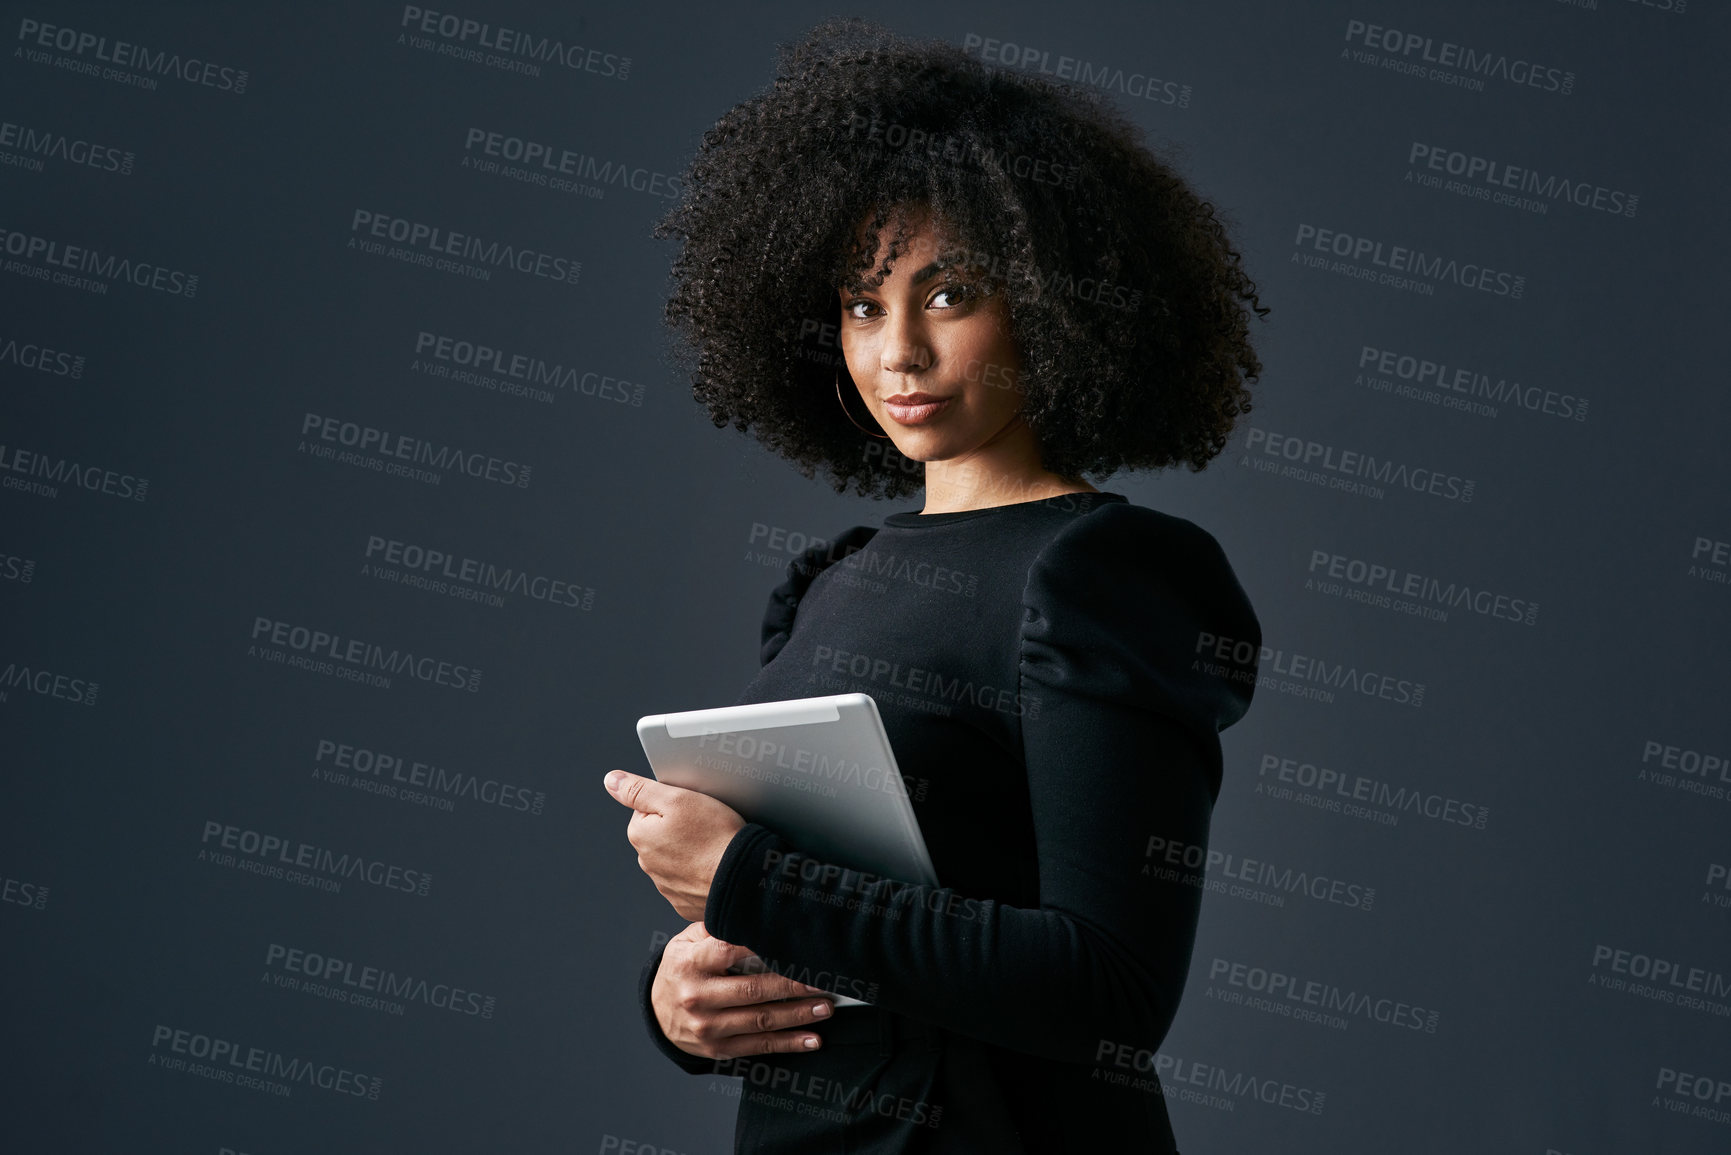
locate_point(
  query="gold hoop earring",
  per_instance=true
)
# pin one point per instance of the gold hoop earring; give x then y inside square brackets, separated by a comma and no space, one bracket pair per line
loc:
[848,415]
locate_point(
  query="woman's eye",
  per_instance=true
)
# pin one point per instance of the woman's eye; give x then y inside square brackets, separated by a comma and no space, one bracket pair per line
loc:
[854,309]
[950,296]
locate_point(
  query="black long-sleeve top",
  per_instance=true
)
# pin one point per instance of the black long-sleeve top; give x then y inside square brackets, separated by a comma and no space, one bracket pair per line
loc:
[1053,676]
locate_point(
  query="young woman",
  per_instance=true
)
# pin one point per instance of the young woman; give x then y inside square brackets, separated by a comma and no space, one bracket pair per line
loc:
[904,268]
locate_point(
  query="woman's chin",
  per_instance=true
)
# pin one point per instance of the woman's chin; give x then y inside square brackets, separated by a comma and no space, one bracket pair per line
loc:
[916,447]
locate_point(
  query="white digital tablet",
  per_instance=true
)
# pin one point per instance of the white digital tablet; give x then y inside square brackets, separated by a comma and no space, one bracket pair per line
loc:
[818,771]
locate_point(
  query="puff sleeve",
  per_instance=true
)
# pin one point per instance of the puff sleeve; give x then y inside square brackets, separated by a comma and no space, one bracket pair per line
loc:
[784,599]
[1124,697]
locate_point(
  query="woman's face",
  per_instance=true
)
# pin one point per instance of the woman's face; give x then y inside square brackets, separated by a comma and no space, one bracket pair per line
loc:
[931,355]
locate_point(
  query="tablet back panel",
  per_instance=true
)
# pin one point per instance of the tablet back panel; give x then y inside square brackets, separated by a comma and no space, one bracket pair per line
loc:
[818,771]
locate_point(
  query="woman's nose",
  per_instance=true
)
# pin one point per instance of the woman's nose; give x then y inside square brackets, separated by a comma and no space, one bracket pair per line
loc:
[905,348]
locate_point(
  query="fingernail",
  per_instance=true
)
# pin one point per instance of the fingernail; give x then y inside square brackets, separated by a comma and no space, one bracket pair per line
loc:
[811,1042]
[821,1010]
[614,778]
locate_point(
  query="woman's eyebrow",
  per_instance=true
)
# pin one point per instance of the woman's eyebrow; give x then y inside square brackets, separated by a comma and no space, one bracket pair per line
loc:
[942,264]
[920,277]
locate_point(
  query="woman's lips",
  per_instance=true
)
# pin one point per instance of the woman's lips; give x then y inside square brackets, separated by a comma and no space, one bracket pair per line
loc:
[915,408]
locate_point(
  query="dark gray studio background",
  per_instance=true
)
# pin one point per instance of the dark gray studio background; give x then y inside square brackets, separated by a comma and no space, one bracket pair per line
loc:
[1567,962]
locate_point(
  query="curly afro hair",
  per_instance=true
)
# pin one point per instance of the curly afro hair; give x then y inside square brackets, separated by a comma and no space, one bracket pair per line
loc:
[1127,302]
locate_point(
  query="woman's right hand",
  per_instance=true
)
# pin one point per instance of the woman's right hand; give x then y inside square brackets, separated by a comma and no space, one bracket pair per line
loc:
[705,1011]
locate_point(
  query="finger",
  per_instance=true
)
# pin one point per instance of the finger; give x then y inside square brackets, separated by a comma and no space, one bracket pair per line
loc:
[749,965]
[637,833]
[716,956]
[778,1042]
[749,990]
[736,1038]
[641,794]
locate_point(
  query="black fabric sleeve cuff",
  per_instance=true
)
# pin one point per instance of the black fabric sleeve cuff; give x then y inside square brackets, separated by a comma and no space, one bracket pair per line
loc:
[734,911]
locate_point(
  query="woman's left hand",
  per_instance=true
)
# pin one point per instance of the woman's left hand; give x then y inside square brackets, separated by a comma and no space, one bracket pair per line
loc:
[679,835]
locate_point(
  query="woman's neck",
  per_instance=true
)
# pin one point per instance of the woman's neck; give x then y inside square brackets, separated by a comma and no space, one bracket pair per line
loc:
[952,487]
